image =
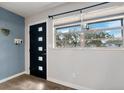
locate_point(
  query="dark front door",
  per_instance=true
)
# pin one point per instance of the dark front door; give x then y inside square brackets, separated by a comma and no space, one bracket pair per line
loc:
[38,50]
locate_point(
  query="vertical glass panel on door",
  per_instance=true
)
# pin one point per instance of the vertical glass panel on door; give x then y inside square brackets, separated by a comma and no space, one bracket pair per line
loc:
[40,29]
[40,68]
[40,58]
[40,48]
[40,38]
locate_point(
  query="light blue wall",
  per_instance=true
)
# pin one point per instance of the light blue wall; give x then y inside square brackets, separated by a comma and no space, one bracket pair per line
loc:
[11,55]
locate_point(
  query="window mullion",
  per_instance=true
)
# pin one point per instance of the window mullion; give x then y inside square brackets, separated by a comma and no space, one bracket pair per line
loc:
[82,37]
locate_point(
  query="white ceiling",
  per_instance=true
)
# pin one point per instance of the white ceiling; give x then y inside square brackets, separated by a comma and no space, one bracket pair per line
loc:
[26,9]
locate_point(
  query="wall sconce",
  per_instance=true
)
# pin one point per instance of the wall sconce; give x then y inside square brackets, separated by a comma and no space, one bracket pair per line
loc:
[5,31]
[18,41]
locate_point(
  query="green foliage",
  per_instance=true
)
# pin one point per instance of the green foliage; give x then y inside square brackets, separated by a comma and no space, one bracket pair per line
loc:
[69,39]
[96,39]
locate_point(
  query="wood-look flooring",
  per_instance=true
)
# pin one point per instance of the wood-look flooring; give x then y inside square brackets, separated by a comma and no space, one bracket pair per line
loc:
[28,82]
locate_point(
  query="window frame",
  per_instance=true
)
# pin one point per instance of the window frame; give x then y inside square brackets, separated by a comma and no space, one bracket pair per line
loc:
[109,20]
[77,24]
[94,48]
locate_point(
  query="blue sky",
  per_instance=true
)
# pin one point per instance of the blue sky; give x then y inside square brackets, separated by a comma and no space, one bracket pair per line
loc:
[64,30]
[109,24]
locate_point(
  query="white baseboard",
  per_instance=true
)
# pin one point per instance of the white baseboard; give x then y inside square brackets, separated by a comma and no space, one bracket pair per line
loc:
[68,84]
[27,72]
[11,77]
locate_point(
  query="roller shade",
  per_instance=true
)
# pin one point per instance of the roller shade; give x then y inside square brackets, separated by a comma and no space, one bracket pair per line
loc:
[67,21]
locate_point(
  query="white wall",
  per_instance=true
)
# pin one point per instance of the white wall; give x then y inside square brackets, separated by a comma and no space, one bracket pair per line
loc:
[79,68]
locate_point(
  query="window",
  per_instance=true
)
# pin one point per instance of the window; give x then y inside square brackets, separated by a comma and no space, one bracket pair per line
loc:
[67,32]
[71,34]
[68,37]
[104,34]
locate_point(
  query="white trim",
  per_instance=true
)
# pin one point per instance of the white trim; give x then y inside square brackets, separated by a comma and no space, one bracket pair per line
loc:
[90,49]
[11,77]
[68,84]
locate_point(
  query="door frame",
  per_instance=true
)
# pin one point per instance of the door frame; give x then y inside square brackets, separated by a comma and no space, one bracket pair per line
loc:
[27,64]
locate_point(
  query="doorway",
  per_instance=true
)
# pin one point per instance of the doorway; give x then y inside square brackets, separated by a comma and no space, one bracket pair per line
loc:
[38,50]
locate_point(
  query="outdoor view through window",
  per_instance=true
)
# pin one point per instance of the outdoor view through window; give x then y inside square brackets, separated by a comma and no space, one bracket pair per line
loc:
[70,32]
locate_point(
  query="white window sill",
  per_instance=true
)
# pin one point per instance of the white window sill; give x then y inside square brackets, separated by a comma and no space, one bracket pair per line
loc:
[99,49]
